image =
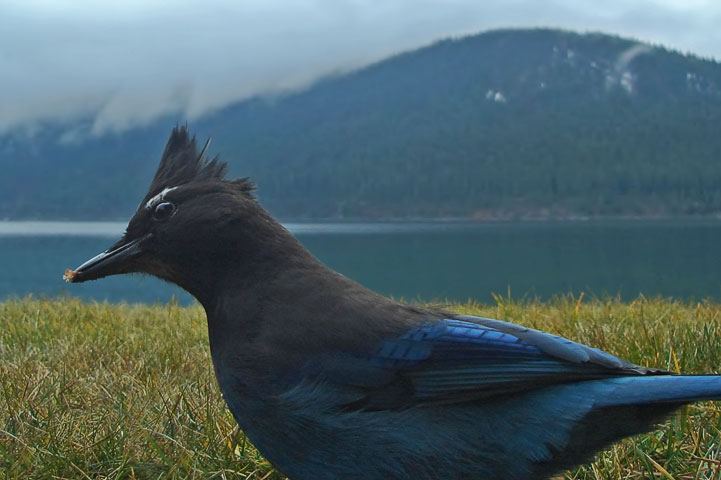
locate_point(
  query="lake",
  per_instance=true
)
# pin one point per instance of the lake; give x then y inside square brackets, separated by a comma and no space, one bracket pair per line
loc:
[430,261]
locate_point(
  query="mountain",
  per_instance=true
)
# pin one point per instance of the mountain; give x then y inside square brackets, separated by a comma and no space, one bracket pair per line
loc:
[502,124]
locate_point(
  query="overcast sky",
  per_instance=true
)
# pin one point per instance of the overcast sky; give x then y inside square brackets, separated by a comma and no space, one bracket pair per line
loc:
[127,62]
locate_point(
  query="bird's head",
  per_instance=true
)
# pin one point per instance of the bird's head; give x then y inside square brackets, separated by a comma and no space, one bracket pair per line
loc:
[190,225]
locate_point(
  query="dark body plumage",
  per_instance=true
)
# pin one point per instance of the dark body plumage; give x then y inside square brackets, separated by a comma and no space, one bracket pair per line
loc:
[333,381]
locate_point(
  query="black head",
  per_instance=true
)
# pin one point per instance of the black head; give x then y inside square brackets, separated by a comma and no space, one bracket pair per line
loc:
[191,224]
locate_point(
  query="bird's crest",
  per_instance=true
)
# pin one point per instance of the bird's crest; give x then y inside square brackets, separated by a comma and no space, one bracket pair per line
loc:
[181,164]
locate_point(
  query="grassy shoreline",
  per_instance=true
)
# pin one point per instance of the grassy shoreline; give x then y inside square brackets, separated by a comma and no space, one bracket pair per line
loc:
[96,390]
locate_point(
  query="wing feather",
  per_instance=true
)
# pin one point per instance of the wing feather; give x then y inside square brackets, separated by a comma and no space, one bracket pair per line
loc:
[469,358]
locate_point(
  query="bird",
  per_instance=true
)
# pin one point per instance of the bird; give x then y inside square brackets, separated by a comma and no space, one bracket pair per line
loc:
[331,380]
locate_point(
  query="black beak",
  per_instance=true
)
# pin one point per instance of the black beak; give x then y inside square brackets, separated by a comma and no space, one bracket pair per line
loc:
[117,259]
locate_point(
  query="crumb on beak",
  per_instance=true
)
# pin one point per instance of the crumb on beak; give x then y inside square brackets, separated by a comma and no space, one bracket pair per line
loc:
[69,275]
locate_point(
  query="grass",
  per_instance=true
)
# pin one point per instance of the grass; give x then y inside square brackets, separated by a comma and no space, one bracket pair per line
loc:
[92,390]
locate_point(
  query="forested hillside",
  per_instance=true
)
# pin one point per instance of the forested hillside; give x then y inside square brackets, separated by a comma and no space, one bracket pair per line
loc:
[502,124]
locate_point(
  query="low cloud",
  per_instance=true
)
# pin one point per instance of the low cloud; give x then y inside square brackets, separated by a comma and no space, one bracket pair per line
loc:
[121,64]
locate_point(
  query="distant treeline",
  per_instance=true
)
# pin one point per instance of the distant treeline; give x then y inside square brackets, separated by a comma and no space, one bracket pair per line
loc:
[506,123]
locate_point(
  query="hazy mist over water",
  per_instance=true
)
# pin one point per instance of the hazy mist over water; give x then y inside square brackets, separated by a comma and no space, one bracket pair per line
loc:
[427,261]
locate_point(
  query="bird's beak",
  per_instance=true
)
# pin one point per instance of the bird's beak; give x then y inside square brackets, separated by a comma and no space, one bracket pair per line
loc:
[117,259]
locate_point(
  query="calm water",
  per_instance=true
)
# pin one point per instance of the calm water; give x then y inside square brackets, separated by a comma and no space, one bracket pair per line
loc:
[417,260]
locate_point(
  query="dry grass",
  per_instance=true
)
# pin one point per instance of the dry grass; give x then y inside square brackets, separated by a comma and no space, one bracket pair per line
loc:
[121,391]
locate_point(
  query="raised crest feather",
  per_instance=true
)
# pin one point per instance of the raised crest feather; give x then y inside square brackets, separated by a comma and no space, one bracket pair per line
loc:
[182,164]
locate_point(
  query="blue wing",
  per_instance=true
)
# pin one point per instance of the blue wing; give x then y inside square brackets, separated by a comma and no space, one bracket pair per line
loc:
[470,358]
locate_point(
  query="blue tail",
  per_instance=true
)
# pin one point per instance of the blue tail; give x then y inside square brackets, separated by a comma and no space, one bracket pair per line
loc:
[659,389]
[621,407]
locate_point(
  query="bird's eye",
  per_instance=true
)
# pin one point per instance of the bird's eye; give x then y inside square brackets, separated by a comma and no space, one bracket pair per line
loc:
[163,211]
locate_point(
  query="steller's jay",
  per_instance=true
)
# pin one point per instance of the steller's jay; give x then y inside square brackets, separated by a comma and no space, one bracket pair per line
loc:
[333,381]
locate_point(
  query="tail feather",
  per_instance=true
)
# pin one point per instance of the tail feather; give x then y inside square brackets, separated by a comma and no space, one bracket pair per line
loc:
[659,389]
[622,407]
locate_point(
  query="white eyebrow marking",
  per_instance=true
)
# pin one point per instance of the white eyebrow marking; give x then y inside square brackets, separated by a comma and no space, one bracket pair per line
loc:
[158,198]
